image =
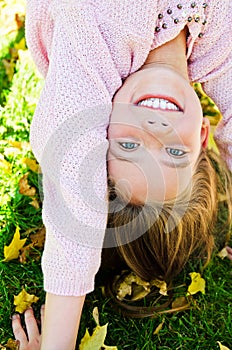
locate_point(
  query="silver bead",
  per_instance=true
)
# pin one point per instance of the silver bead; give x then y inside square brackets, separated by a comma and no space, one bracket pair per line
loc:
[169,11]
[164,25]
[179,6]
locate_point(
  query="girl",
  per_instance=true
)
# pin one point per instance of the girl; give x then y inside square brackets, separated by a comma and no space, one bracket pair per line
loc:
[86,49]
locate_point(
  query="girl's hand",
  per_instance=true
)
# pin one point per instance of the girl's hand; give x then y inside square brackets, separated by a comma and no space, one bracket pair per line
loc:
[31,340]
[229,251]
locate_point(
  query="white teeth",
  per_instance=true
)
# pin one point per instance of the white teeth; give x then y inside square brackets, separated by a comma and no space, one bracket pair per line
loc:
[163,104]
[159,103]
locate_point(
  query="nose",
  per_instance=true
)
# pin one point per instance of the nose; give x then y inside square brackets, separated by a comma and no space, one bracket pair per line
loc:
[157,126]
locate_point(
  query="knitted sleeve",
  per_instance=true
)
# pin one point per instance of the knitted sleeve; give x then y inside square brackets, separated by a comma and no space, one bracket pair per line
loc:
[220,89]
[83,48]
[68,137]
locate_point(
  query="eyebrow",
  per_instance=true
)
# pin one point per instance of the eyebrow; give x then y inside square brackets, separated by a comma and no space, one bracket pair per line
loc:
[176,165]
[169,164]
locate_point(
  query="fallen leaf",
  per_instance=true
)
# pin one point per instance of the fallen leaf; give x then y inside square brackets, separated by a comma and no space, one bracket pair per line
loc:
[5,165]
[25,252]
[12,251]
[21,45]
[139,292]
[38,238]
[25,188]
[35,203]
[161,285]
[132,285]
[20,20]
[222,347]
[223,253]
[197,284]
[96,315]
[32,164]
[180,302]
[9,66]
[96,340]
[23,301]
[15,144]
[11,345]
[158,329]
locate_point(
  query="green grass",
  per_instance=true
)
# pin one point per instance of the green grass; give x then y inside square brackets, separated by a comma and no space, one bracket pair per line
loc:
[198,328]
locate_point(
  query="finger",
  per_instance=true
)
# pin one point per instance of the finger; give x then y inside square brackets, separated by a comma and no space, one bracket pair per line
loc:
[18,331]
[31,325]
[42,312]
[229,251]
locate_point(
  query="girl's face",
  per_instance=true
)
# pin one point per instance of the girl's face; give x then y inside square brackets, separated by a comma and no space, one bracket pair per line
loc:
[156,133]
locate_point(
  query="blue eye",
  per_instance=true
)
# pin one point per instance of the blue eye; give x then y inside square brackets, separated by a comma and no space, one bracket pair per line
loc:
[129,145]
[175,152]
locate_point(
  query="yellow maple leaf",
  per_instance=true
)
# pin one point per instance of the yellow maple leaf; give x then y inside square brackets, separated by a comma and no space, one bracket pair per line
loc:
[197,284]
[222,347]
[12,251]
[162,285]
[96,340]
[223,253]
[32,164]
[21,45]
[15,144]
[11,345]
[23,301]
[5,165]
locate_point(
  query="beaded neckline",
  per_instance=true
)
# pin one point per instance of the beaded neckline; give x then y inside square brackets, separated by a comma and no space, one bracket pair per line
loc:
[179,14]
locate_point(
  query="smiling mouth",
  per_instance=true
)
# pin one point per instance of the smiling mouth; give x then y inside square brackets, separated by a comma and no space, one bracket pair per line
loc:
[159,103]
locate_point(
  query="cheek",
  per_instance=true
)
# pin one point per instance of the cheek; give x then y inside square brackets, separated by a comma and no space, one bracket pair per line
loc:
[129,180]
[120,131]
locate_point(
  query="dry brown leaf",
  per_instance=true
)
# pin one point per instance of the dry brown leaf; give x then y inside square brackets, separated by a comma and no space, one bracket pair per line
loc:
[12,251]
[25,252]
[38,238]
[35,203]
[20,20]
[180,303]
[9,66]
[23,301]
[25,188]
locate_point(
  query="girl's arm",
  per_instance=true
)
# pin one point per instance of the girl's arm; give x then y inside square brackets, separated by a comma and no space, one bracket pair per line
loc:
[61,322]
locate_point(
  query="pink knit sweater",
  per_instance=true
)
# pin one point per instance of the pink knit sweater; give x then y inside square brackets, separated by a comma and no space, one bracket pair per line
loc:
[84,49]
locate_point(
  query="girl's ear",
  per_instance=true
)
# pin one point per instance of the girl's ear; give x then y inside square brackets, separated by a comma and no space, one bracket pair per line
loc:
[205,130]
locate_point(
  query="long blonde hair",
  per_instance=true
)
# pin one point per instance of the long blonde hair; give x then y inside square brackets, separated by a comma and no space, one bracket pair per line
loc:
[174,233]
